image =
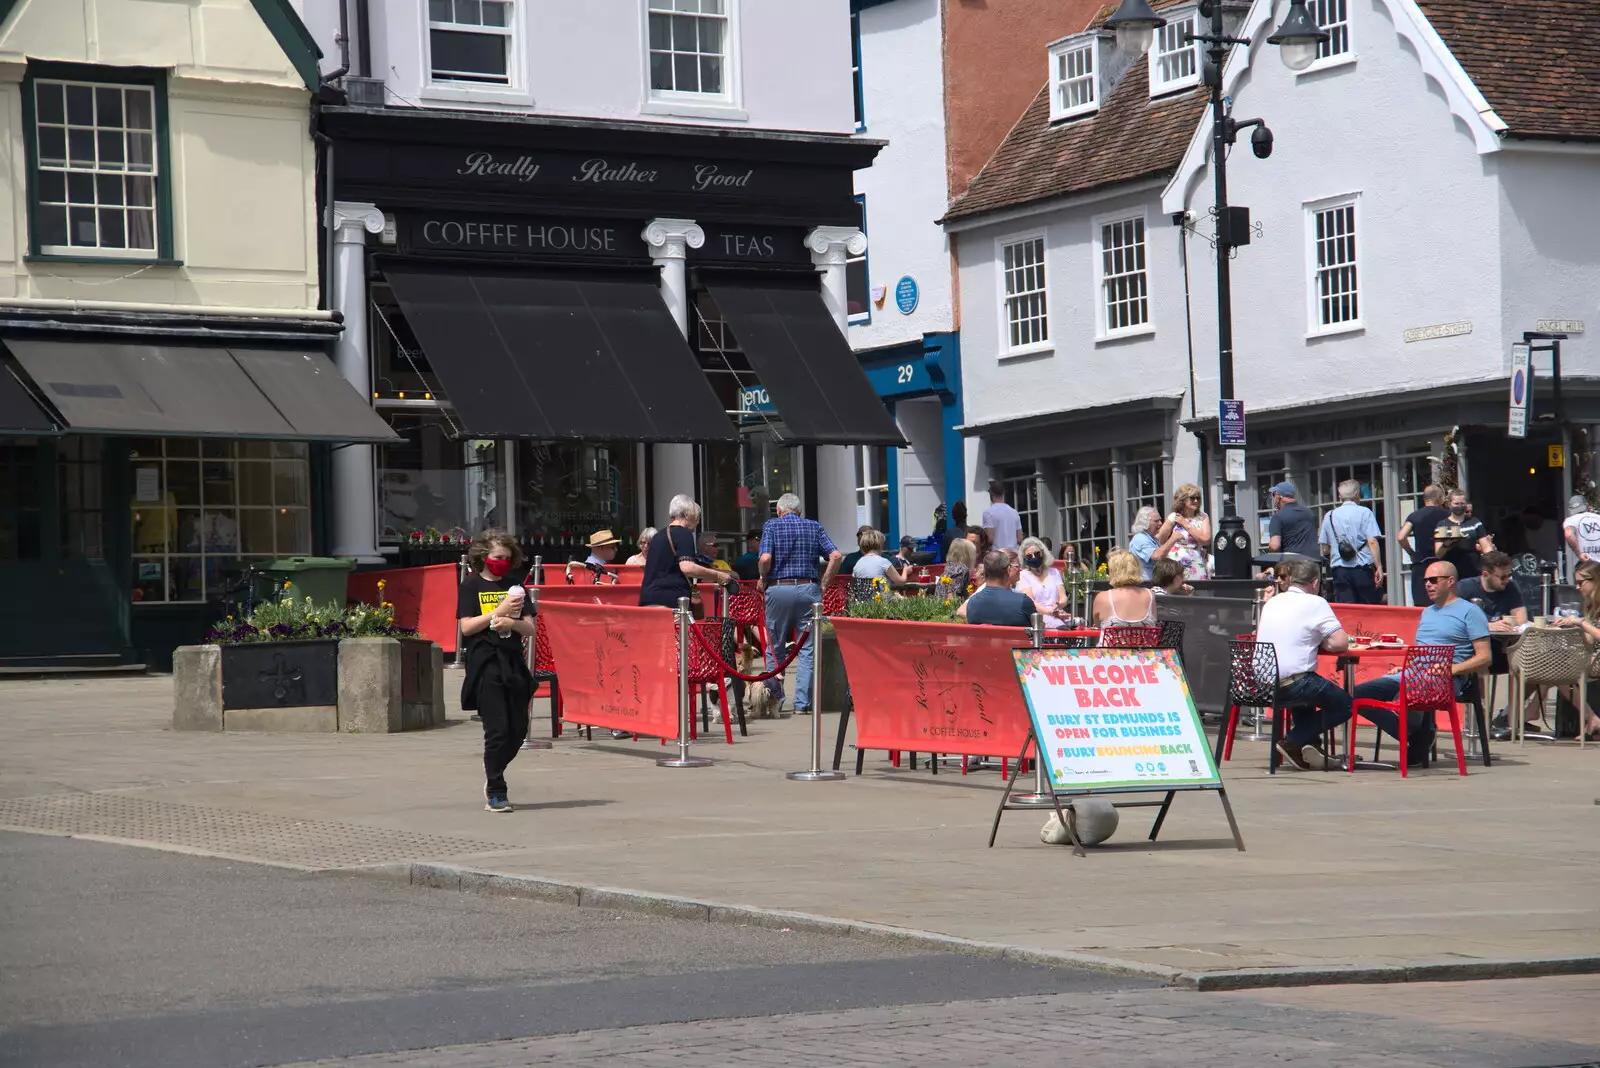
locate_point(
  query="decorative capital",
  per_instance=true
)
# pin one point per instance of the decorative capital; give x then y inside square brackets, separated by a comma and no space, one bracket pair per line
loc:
[833,245]
[671,239]
[353,221]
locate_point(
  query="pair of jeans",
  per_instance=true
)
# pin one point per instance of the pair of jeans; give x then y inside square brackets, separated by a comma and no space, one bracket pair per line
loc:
[1417,723]
[1354,585]
[789,611]
[1318,707]
[503,707]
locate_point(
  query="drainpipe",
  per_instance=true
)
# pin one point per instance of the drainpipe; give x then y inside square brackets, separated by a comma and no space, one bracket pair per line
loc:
[363,35]
[344,45]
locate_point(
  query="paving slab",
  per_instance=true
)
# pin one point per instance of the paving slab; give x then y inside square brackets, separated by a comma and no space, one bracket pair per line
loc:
[1365,871]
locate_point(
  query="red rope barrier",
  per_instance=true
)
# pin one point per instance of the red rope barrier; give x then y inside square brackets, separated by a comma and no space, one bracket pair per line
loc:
[711,650]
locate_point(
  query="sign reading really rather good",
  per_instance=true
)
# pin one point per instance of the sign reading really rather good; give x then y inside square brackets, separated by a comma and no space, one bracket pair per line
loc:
[1114,719]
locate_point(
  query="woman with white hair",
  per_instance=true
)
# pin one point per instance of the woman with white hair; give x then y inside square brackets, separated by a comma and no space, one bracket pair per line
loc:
[1042,583]
[671,560]
[638,558]
[1144,544]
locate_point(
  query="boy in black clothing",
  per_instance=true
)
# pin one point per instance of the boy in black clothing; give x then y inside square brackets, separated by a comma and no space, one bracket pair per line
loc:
[495,614]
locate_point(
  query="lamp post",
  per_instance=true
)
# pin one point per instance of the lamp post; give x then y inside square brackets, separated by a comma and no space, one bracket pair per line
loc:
[1298,39]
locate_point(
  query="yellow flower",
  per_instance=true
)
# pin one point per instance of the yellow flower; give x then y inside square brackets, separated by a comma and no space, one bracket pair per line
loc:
[945,579]
[287,584]
[877,597]
[382,583]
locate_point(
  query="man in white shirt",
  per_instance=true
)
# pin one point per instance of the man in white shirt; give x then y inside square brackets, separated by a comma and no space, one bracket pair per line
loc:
[1299,624]
[1582,530]
[1001,521]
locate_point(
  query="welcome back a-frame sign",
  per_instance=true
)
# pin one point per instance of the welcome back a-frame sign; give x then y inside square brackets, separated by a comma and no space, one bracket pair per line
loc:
[1113,721]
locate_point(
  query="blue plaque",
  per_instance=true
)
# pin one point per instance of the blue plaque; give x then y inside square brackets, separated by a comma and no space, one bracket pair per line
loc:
[905,295]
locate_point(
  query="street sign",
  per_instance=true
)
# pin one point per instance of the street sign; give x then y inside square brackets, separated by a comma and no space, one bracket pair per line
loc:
[1234,461]
[1556,456]
[1230,422]
[755,404]
[1521,391]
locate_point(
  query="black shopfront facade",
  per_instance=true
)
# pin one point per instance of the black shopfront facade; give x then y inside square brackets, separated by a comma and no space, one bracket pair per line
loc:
[566,322]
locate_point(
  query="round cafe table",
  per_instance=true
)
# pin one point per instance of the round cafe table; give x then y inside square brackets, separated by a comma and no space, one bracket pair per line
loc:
[1347,661]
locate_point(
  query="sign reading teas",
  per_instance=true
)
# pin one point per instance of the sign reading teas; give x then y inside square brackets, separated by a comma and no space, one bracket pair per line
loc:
[753,244]
[509,235]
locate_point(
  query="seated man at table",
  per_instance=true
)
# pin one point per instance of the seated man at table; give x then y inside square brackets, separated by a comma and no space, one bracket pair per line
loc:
[996,604]
[1495,592]
[1299,625]
[1448,620]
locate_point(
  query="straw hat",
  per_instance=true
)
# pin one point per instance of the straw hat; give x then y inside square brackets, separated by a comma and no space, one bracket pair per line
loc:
[601,538]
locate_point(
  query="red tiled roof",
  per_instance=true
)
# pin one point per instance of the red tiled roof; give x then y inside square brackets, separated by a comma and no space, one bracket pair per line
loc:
[1129,138]
[1537,62]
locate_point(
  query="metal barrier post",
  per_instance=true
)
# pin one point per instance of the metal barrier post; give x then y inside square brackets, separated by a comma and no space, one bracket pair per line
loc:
[1043,796]
[1548,588]
[529,741]
[683,759]
[461,653]
[537,571]
[816,773]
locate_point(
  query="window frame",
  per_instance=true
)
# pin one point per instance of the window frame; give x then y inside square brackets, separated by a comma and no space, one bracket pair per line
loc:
[683,102]
[151,78]
[1103,331]
[1058,53]
[1003,299]
[1315,327]
[467,87]
[862,318]
[857,85]
[1336,59]
[1161,86]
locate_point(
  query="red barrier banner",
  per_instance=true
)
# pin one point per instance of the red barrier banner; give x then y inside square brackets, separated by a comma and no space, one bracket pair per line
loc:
[934,687]
[1365,623]
[617,666]
[627,575]
[424,598]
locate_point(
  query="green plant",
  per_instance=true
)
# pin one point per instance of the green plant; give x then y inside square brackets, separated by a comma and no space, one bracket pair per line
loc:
[885,605]
[288,619]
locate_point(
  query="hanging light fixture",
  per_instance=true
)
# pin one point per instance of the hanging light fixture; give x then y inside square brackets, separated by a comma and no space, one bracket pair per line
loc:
[1299,38]
[1135,26]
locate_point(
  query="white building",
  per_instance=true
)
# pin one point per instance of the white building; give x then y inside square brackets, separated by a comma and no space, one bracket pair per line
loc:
[1428,200]
[703,146]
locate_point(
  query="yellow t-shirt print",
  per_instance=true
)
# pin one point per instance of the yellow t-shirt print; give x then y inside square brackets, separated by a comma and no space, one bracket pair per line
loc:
[489,600]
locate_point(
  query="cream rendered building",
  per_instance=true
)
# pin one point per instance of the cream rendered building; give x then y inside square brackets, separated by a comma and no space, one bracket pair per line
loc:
[167,405]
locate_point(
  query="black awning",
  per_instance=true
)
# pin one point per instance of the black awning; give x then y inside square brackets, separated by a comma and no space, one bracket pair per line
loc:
[311,393]
[191,391]
[19,412]
[549,357]
[797,351]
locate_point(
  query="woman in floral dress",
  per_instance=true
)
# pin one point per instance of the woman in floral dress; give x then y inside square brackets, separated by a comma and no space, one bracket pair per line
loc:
[1192,548]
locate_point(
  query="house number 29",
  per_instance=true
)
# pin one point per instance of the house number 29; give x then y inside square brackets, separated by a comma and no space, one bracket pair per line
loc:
[903,373]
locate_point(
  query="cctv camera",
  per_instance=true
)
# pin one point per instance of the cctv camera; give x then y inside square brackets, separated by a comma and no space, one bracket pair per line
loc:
[1261,142]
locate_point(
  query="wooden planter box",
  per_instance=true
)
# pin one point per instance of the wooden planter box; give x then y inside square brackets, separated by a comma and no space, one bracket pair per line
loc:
[355,685]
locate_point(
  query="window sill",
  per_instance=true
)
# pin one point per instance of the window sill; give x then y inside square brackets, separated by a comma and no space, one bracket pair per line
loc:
[1331,63]
[114,261]
[690,110]
[461,93]
[1336,331]
[1122,335]
[1044,348]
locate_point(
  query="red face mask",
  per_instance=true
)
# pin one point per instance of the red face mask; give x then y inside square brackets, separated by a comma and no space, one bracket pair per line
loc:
[497,566]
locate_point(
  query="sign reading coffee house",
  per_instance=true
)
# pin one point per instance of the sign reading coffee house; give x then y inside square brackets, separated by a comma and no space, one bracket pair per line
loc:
[612,239]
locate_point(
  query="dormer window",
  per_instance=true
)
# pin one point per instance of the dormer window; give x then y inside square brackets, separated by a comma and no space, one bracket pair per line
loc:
[1074,78]
[1174,57]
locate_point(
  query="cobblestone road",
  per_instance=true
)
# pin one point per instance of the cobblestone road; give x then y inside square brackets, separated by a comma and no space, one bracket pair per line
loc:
[1144,1029]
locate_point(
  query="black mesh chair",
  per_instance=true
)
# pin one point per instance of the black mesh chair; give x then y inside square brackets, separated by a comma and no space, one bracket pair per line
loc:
[1171,636]
[1252,683]
[1131,637]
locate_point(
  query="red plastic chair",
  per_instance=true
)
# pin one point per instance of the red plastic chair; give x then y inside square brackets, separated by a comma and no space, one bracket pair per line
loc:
[748,608]
[705,669]
[1140,637]
[1426,685]
[836,596]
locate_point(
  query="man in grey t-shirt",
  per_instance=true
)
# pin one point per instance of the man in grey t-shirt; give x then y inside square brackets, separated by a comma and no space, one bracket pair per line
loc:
[1001,521]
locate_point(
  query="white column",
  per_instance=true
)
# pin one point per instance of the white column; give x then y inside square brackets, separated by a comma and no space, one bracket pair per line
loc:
[670,241]
[355,496]
[831,247]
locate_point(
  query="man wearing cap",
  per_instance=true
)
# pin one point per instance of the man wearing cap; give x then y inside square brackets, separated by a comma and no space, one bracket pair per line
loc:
[1293,528]
[602,547]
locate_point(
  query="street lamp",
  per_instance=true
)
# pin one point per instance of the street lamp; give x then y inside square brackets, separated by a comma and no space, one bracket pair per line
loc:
[1298,39]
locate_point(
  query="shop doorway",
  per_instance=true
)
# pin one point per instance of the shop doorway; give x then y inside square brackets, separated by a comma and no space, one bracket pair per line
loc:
[1516,491]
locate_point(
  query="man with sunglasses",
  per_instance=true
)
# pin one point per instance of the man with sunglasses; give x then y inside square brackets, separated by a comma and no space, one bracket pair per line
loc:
[1448,620]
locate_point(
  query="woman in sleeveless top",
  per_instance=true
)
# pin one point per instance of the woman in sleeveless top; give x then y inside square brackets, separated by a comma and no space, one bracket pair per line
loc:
[1128,603]
[1192,545]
